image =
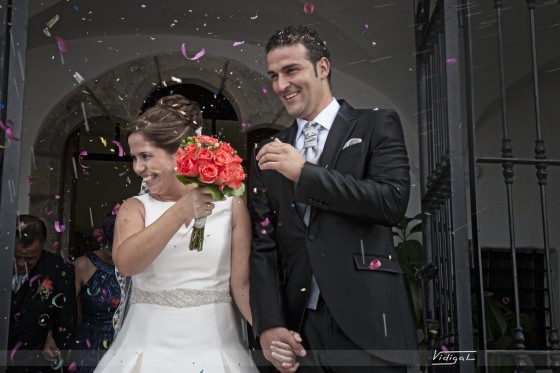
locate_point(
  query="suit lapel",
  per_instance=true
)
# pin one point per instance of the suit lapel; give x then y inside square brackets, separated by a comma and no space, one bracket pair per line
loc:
[341,129]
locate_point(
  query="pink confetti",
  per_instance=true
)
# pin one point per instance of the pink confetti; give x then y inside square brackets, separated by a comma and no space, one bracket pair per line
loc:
[451,61]
[308,8]
[50,212]
[366,27]
[8,130]
[117,143]
[16,347]
[265,223]
[196,56]
[59,227]
[254,17]
[55,245]
[505,300]
[57,197]
[82,155]
[88,343]
[236,43]
[30,180]
[32,279]
[116,209]
[73,366]
[375,263]
[264,90]
[444,349]
[62,47]
[245,124]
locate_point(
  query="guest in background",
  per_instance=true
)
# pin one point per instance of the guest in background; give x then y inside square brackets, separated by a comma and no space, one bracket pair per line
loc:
[43,306]
[98,295]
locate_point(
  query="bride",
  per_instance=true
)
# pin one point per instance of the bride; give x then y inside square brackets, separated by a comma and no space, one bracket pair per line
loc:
[180,316]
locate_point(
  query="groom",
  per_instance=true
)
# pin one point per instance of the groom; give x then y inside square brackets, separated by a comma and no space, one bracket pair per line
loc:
[324,196]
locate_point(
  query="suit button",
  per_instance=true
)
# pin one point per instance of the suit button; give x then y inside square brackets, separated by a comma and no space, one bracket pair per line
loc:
[311,237]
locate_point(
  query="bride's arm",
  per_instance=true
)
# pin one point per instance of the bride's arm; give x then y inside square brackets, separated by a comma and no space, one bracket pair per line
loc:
[136,246]
[240,252]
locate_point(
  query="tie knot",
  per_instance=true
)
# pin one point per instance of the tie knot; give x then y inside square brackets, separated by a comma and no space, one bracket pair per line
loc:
[311,134]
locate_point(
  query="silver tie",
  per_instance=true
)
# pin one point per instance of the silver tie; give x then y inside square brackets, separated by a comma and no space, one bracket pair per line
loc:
[310,150]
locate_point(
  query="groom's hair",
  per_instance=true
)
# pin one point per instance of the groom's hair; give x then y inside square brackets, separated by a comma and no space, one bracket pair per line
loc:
[309,38]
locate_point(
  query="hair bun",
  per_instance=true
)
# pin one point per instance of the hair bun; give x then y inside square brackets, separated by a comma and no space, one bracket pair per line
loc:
[189,110]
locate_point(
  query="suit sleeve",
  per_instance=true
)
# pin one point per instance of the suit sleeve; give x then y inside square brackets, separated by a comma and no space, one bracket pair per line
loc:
[381,195]
[64,319]
[266,296]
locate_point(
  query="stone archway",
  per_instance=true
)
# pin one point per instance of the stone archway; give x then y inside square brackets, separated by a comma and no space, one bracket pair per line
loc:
[119,93]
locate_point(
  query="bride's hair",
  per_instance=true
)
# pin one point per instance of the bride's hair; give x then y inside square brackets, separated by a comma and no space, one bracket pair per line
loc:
[170,121]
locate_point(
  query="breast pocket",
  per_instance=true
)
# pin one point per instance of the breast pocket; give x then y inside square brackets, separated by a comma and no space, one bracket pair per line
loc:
[375,263]
[351,160]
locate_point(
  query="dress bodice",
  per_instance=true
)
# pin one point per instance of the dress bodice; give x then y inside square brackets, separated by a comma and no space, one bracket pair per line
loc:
[177,266]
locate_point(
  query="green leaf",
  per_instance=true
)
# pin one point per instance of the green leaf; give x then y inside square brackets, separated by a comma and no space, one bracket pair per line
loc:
[417,228]
[215,191]
[187,180]
[230,192]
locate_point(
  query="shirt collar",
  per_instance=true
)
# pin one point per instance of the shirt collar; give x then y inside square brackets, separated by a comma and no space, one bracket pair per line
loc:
[325,118]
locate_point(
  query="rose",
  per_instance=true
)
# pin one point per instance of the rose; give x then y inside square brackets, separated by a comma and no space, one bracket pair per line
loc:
[223,177]
[237,177]
[204,156]
[222,158]
[226,147]
[190,150]
[208,173]
[206,140]
[187,167]
[237,159]
[47,284]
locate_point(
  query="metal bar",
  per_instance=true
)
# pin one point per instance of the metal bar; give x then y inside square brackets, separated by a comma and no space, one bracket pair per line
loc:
[17,34]
[461,257]
[540,153]
[521,161]
[471,138]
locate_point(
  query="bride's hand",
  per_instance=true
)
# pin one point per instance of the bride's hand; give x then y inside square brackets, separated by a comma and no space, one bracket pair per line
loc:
[284,353]
[198,203]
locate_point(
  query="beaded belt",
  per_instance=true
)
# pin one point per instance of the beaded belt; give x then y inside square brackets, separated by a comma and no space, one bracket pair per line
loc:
[179,298]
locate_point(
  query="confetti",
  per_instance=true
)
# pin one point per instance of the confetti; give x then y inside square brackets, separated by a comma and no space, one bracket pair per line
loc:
[505,300]
[83,154]
[255,17]
[196,56]
[118,144]
[265,223]
[264,90]
[177,80]
[59,227]
[375,263]
[53,301]
[57,197]
[308,8]
[51,22]
[88,343]
[366,27]
[86,125]
[14,350]
[32,279]
[236,43]
[8,130]
[78,77]
[116,209]
[43,319]
[73,366]
[62,47]
[451,61]
[245,124]
[30,180]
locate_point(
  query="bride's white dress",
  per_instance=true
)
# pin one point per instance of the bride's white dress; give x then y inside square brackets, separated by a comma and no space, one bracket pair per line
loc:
[181,317]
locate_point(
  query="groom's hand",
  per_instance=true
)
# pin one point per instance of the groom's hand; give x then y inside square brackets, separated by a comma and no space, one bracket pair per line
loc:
[281,157]
[280,346]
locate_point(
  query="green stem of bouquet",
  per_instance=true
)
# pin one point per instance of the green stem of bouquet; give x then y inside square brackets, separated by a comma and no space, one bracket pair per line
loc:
[197,239]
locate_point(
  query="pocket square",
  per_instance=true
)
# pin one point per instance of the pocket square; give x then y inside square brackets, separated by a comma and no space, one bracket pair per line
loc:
[351,142]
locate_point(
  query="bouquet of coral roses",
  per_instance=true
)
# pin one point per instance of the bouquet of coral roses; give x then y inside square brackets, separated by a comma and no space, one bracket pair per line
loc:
[212,163]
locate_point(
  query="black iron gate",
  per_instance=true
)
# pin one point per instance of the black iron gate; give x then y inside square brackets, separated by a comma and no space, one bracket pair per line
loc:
[459,267]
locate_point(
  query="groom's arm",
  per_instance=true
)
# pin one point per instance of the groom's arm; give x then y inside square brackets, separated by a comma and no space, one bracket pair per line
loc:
[266,298]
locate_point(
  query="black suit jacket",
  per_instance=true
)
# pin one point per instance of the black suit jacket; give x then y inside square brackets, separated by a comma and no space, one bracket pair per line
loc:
[32,316]
[356,195]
